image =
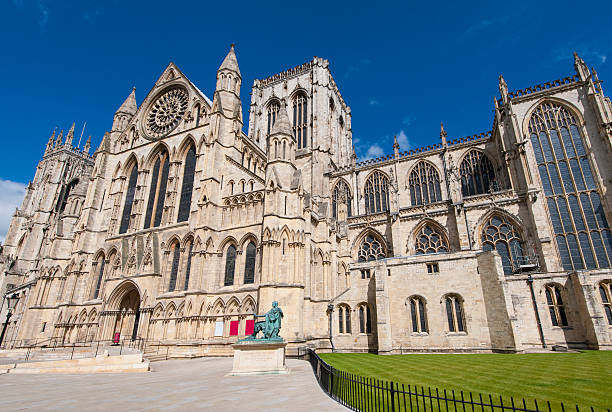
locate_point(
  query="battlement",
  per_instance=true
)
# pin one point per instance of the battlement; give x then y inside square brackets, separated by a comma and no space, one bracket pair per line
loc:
[544,86]
[295,71]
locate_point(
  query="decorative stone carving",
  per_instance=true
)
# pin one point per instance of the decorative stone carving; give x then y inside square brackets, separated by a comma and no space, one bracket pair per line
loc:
[166,112]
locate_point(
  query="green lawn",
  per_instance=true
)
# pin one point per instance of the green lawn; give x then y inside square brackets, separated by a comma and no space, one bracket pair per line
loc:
[583,378]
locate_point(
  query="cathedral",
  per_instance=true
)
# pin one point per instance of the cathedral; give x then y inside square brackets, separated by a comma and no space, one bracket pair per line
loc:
[179,227]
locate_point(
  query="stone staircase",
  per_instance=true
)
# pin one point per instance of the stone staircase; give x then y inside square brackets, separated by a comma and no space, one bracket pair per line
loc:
[104,363]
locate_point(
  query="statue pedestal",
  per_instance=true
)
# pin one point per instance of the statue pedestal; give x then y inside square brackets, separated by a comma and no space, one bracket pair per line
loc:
[259,357]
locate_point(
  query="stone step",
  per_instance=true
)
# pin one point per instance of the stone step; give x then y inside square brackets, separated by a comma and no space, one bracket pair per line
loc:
[118,368]
[99,364]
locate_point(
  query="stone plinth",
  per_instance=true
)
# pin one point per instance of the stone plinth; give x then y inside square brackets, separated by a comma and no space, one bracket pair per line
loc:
[259,357]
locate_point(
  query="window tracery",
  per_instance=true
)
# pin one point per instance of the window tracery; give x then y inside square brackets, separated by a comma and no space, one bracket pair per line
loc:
[371,249]
[176,253]
[188,265]
[273,108]
[377,193]
[499,234]
[100,269]
[187,185]
[344,319]
[605,291]
[230,265]
[249,264]
[129,199]
[418,314]
[477,174]
[424,183]
[300,120]
[555,305]
[365,319]
[454,313]
[341,195]
[581,229]
[430,240]
[157,193]
[166,112]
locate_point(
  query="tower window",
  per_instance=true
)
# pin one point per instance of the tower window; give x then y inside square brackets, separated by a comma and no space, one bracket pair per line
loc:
[273,108]
[377,193]
[300,120]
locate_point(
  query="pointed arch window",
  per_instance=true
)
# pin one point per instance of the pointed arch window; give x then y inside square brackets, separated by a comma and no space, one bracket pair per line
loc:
[454,313]
[499,234]
[418,314]
[344,319]
[129,199]
[65,193]
[157,193]
[377,193]
[424,183]
[100,267]
[230,265]
[555,306]
[188,266]
[371,249]
[300,120]
[430,239]
[342,195]
[273,108]
[187,186]
[175,251]
[249,263]
[605,291]
[477,174]
[574,204]
[365,319]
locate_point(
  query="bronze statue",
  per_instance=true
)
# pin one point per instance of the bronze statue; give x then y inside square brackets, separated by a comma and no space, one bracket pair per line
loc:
[270,326]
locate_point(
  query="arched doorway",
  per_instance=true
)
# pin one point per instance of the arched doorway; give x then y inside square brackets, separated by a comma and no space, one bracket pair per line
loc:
[126,309]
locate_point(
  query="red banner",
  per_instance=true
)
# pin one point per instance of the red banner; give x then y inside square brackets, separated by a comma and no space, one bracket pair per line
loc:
[234,327]
[249,327]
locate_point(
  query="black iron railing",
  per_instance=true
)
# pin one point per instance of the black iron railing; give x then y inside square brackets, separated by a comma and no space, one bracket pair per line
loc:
[368,394]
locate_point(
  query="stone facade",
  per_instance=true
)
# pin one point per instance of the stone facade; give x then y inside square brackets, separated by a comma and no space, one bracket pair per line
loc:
[180,226]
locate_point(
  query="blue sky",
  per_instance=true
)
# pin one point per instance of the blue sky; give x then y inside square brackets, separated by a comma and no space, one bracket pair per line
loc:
[402,67]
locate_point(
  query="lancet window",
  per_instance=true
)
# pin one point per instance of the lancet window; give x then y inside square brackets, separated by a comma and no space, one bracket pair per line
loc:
[230,265]
[498,233]
[273,108]
[605,291]
[100,275]
[249,263]
[424,183]
[377,193]
[157,193]
[175,251]
[574,204]
[555,305]
[187,186]
[477,174]
[418,314]
[371,249]
[344,319]
[300,120]
[454,313]
[188,265]
[430,240]
[129,199]
[341,195]
[365,319]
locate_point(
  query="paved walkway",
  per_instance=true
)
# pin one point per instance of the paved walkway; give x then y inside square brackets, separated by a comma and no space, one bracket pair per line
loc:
[174,385]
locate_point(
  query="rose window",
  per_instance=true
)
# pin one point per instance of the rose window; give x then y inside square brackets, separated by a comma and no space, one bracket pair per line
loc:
[166,112]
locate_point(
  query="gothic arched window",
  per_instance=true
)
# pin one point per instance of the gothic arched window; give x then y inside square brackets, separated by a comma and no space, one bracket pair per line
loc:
[555,305]
[157,193]
[377,193]
[341,195]
[365,319]
[574,204]
[371,249]
[300,120]
[65,193]
[477,174]
[500,234]
[187,187]
[424,183]
[430,240]
[605,291]
[230,265]
[418,314]
[188,265]
[344,319]
[100,270]
[175,251]
[249,263]
[454,313]
[273,108]
[129,199]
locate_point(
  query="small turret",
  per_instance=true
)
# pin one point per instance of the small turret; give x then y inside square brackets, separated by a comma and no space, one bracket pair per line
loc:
[581,67]
[70,136]
[226,100]
[395,147]
[443,135]
[50,142]
[58,141]
[503,89]
[125,112]
[87,145]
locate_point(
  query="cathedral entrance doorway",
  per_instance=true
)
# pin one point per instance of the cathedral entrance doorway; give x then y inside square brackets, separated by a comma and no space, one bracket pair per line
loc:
[127,312]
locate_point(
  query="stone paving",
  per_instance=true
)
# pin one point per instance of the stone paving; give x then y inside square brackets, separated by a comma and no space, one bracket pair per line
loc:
[174,385]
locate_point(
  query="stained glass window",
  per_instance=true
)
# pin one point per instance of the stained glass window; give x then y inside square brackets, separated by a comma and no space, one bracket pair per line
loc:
[605,291]
[100,266]
[371,249]
[500,234]
[187,187]
[129,200]
[188,267]
[344,319]
[417,312]
[273,108]
[230,265]
[454,313]
[365,319]
[176,254]
[555,306]
[249,263]
[424,183]
[377,193]
[300,120]
[477,174]
[157,193]
[341,195]
[430,240]
[578,220]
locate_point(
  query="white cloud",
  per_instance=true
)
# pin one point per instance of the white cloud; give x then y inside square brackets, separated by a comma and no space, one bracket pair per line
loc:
[374,102]
[11,196]
[403,141]
[603,58]
[374,151]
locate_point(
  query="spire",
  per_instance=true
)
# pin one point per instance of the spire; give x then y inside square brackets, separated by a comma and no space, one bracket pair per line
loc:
[581,67]
[87,145]
[395,147]
[282,124]
[503,88]
[129,106]
[443,134]
[230,62]
[58,141]
[50,142]
[70,136]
